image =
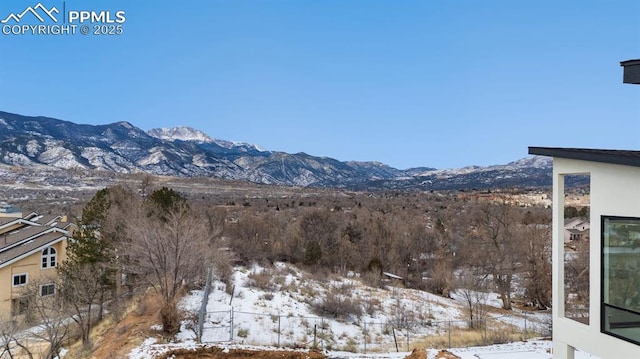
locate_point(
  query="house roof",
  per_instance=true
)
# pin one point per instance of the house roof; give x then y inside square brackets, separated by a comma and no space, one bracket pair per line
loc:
[575,222]
[618,157]
[10,239]
[30,238]
[29,247]
[46,219]
[7,224]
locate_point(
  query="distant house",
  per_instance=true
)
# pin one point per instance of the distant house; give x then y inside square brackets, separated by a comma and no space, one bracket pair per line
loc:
[612,328]
[7,210]
[31,247]
[576,230]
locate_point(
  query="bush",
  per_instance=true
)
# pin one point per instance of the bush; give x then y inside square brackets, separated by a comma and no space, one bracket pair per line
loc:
[337,306]
[170,319]
[243,333]
[261,280]
[371,305]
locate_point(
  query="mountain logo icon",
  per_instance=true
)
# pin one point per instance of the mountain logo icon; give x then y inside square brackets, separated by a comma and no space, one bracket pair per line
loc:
[36,11]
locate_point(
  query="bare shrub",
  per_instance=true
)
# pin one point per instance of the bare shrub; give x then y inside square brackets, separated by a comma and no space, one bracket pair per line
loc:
[337,306]
[373,279]
[261,280]
[192,318]
[371,305]
[170,317]
[343,288]
[320,274]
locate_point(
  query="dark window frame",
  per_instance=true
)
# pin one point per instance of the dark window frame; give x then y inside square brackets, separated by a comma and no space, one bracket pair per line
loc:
[603,305]
[19,275]
[49,288]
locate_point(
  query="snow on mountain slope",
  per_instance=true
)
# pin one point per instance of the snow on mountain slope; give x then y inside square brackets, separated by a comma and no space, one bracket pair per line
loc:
[538,162]
[183,151]
[184,133]
[181,133]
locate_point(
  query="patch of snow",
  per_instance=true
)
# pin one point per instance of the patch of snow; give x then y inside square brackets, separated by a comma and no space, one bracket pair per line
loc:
[258,315]
[155,156]
[33,147]
[17,159]
[181,133]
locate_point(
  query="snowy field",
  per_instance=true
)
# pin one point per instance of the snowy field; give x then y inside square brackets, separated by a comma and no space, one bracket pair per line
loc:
[282,316]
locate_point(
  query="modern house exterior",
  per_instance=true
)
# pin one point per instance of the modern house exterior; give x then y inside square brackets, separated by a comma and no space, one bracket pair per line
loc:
[613,326]
[31,248]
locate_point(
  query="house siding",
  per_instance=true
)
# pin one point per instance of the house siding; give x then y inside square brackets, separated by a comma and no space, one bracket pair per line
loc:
[30,265]
[614,192]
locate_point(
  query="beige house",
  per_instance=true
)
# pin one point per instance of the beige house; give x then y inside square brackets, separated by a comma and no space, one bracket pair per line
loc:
[31,247]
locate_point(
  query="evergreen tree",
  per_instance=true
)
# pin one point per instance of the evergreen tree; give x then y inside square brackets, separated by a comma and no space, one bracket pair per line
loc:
[86,273]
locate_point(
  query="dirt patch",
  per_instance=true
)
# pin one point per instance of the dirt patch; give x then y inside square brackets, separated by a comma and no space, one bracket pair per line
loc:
[219,353]
[445,354]
[417,354]
[119,339]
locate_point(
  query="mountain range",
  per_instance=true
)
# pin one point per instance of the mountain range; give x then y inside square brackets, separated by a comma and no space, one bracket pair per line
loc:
[182,151]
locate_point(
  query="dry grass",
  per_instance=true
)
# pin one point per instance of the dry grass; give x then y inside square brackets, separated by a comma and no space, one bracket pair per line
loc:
[261,280]
[116,340]
[220,353]
[461,338]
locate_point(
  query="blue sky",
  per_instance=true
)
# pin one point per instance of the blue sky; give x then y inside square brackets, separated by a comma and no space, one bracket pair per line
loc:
[433,83]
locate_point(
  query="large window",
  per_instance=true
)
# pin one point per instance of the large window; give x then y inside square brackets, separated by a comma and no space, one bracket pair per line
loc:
[48,258]
[621,277]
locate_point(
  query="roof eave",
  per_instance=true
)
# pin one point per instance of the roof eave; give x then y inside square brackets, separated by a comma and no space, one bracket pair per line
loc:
[35,250]
[584,154]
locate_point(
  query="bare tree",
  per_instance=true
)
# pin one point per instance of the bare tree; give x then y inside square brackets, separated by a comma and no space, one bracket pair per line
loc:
[576,271]
[81,290]
[537,264]
[318,231]
[13,340]
[146,182]
[440,248]
[46,307]
[251,238]
[170,252]
[498,245]
[473,289]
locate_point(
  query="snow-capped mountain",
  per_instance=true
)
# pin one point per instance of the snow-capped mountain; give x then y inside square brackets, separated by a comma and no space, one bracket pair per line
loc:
[182,151]
[180,133]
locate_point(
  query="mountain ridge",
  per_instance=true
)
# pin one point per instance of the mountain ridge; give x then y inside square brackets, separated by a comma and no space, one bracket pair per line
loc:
[182,151]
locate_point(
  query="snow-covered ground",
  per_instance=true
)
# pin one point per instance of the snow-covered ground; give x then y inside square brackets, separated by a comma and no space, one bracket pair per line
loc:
[279,314]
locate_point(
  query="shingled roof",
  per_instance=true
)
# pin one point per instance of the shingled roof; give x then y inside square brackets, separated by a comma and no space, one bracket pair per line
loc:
[29,247]
[618,157]
[29,238]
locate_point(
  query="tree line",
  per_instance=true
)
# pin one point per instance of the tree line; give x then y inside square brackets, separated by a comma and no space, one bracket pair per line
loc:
[131,240]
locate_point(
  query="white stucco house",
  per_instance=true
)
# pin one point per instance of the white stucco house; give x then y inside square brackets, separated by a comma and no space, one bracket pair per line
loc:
[612,329]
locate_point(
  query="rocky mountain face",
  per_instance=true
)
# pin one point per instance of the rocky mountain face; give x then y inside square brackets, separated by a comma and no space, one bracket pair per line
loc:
[123,148]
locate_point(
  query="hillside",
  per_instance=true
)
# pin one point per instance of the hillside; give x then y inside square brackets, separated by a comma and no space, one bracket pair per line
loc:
[278,308]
